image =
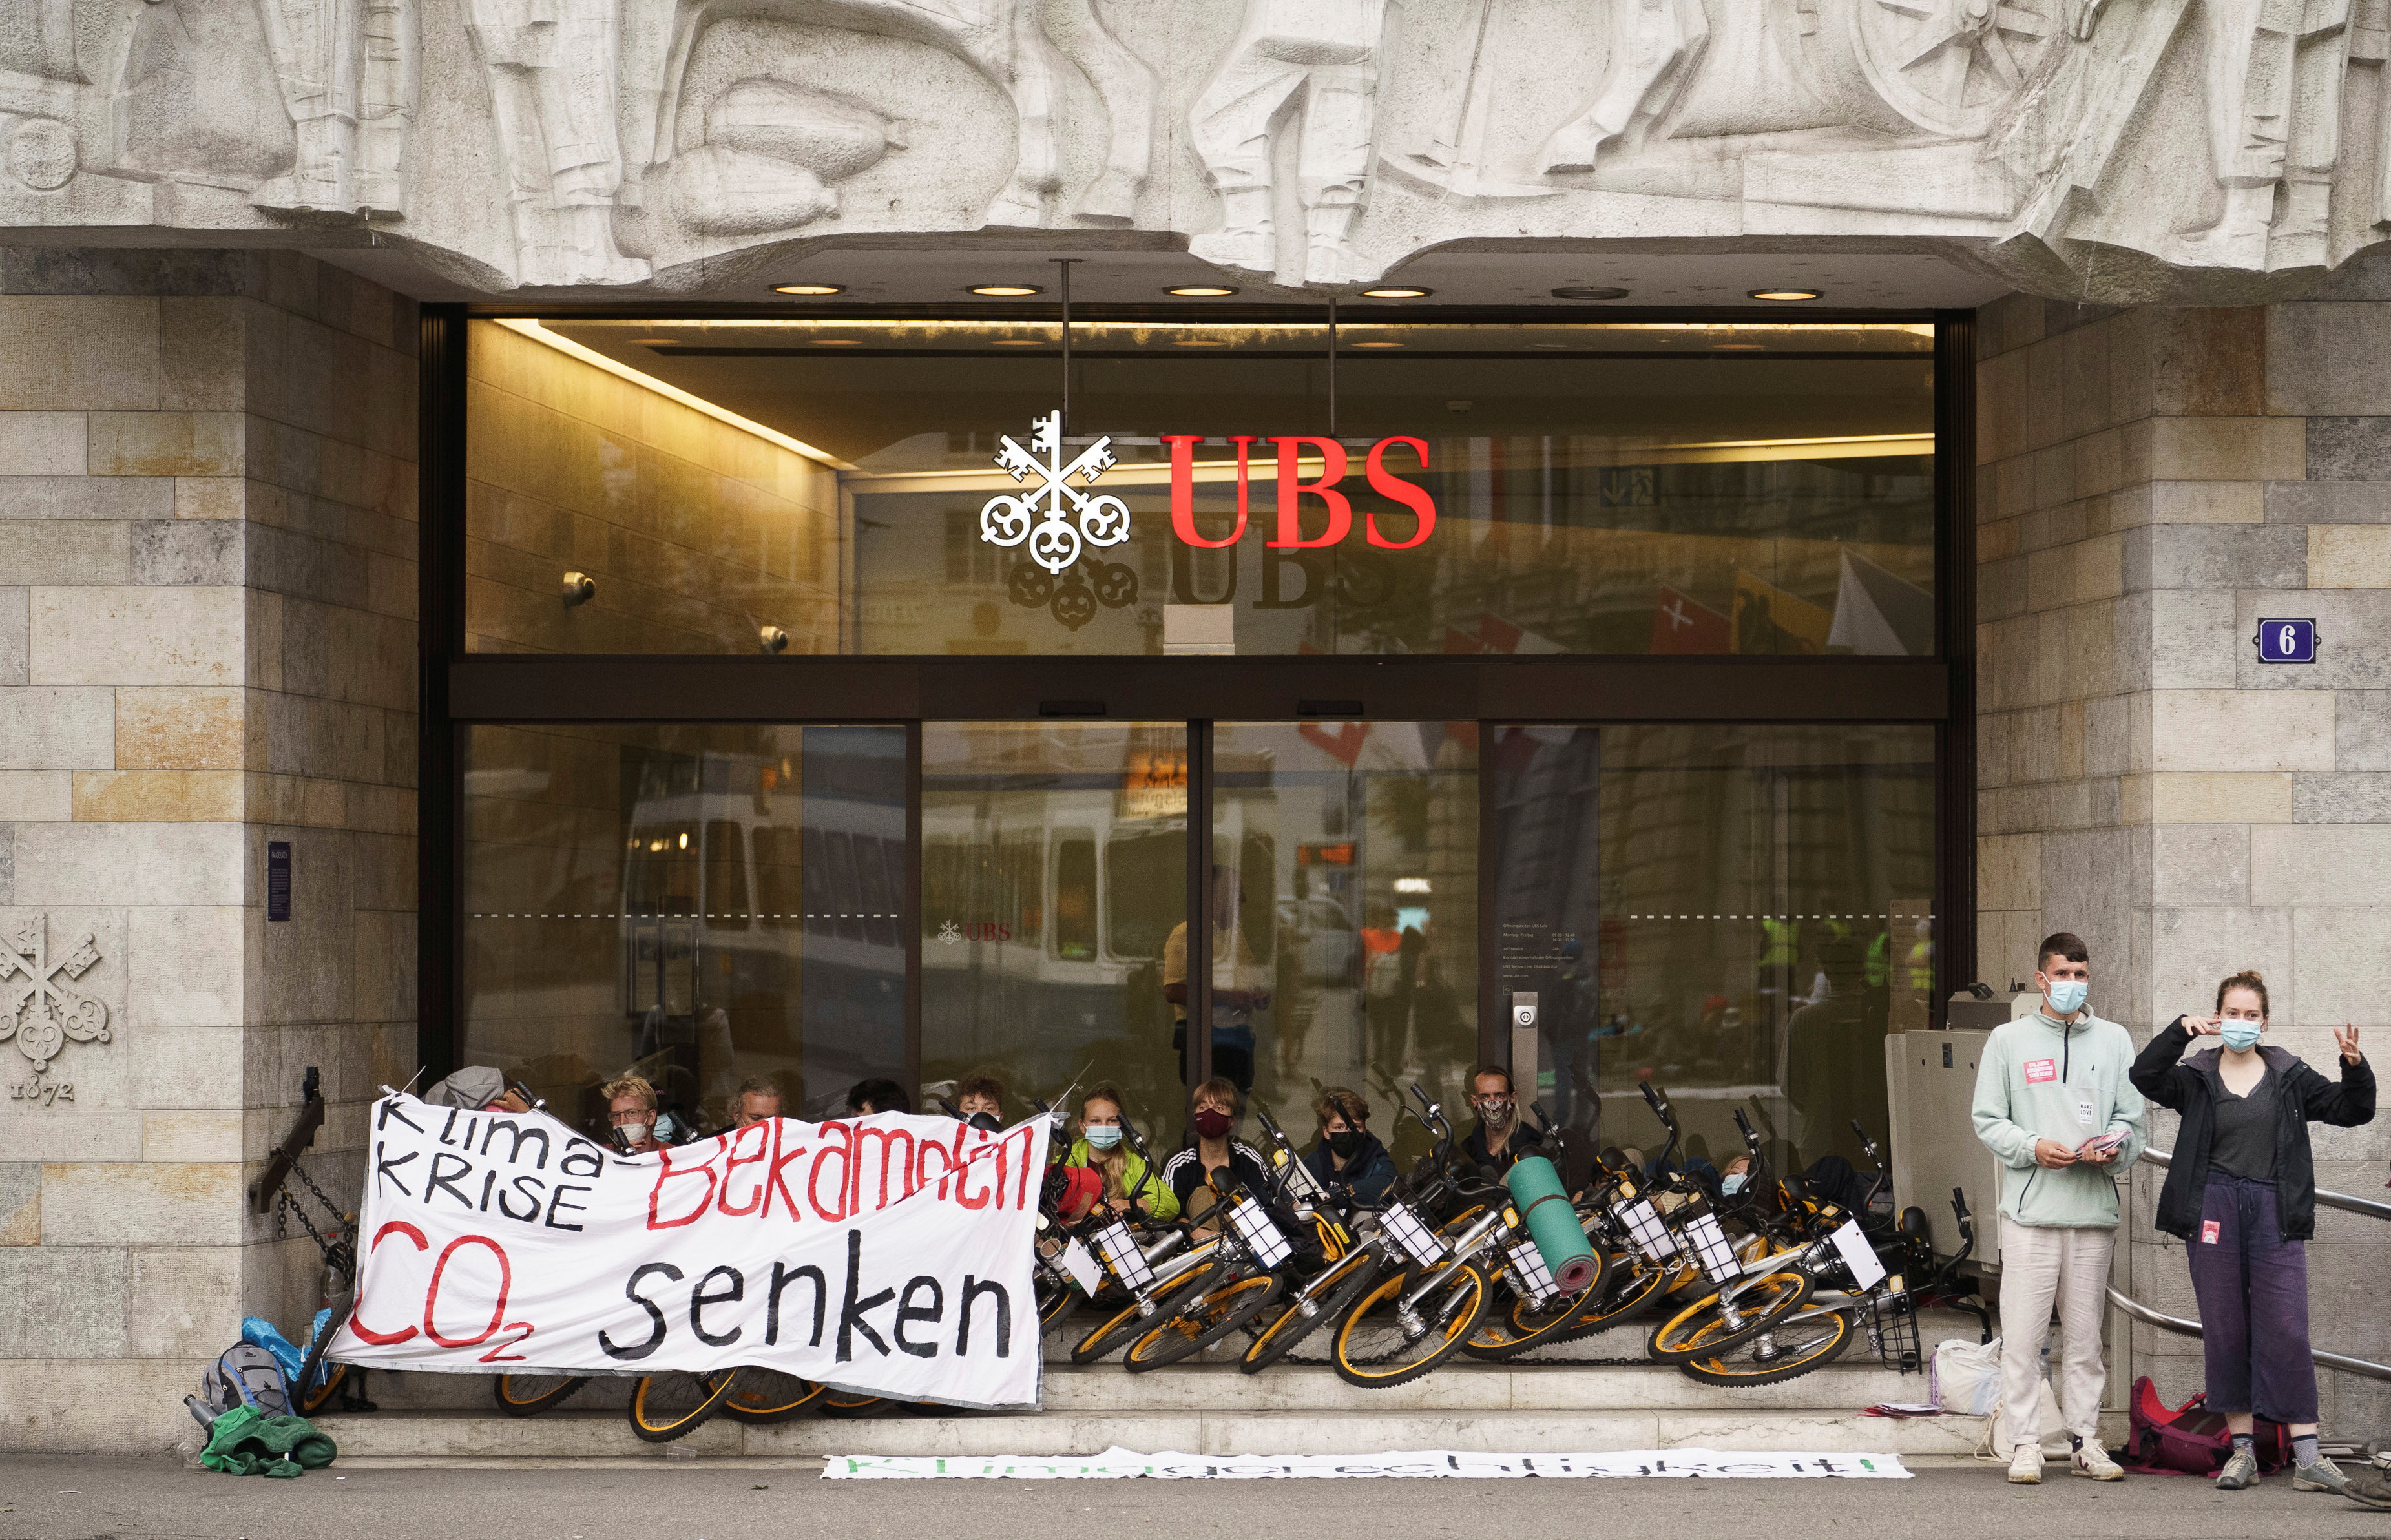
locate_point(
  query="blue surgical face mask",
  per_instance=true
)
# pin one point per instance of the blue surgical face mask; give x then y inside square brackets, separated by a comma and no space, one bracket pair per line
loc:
[2240,1036]
[1731,1183]
[1103,1136]
[2067,995]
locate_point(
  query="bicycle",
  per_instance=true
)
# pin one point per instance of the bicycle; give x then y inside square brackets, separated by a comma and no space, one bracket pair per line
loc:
[1158,1279]
[1354,1261]
[676,1403]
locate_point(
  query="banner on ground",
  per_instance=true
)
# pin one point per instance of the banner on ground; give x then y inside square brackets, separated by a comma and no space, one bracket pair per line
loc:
[887,1254]
[1117,1464]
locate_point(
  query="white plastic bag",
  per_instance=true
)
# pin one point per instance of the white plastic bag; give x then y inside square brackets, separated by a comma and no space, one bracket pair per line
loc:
[1968,1377]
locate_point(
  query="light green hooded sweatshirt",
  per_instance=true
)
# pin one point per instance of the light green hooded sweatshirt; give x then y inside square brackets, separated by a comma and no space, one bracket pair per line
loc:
[2040,1078]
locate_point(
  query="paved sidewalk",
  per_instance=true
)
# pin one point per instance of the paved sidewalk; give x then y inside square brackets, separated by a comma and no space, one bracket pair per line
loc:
[49,1499]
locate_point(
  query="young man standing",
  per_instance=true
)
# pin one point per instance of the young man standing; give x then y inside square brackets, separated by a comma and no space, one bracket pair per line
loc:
[2055,1106]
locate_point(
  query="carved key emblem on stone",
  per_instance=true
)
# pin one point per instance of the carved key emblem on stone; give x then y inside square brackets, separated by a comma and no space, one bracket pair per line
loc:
[39,1004]
[1058,519]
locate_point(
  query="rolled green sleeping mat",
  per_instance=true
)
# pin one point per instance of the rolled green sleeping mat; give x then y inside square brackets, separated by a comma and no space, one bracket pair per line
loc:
[1552,1223]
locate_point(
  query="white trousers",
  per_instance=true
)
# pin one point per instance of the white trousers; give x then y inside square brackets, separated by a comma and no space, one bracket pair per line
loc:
[2042,1266]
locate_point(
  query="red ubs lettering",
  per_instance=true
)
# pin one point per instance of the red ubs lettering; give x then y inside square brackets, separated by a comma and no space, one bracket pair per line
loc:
[1338,509]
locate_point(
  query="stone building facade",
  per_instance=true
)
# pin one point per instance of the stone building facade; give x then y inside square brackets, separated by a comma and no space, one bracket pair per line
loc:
[209,441]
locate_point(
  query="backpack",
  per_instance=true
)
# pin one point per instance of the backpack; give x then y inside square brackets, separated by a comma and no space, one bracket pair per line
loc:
[2191,1438]
[246,1375]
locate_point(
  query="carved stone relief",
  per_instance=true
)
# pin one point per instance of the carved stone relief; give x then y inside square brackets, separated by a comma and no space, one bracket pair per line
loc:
[42,1008]
[2115,150]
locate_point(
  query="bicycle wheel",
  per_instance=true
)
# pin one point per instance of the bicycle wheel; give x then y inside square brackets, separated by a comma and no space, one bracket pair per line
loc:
[1515,1325]
[1781,1353]
[769,1395]
[1342,1285]
[1380,1342]
[667,1407]
[527,1395]
[847,1403]
[1203,1322]
[1056,1299]
[320,1395]
[1629,1283]
[1130,1323]
[1700,1328]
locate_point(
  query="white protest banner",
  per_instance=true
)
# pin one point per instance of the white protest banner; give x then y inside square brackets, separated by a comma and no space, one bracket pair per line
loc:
[1119,1464]
[887,1254]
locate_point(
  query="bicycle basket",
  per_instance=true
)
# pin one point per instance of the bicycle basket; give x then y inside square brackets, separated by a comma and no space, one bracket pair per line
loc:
[1407,1231]
[1129,1263]
[1893,1329]
[1712,1250]
[1645,1228]
[1261,1236]
[1530,1277]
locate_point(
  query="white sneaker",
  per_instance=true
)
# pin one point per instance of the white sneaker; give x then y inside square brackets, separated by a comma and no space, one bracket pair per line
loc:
[2025,1465]
[2094,1461]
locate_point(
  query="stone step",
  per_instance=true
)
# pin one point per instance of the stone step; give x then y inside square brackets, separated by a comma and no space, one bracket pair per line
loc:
[1213,1409]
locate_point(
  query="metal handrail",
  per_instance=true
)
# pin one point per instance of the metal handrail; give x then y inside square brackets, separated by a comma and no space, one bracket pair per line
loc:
[2332,1200]
[2184,1326]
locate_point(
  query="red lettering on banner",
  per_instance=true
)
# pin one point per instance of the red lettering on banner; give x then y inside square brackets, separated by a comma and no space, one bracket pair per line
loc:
[664,1173]
[1028,1137]
[887,1138]
[497,1310]
[767,1135]
[385,1339]
[962,1181]
[846,1153]
[1291,487]
[1387,485]
[781,1160]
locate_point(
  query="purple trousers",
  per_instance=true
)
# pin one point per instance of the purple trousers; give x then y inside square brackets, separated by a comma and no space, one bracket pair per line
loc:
[2253,1287]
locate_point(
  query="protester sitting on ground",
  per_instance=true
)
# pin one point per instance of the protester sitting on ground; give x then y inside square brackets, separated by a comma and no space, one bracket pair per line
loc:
[1499,1138]
[759,1099]
[1102,1147]
[2243,1177]
[979,1101]
[877,1096]
[631,1112]
[1190,1173]
[1348,1158]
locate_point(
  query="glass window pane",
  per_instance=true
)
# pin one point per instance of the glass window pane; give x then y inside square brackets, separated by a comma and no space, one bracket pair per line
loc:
[1737,915]
[650,899]
[1598,489]
[1346,947]
[1042,961]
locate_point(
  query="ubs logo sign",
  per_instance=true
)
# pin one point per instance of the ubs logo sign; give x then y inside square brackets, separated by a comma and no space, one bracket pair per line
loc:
[1059,522]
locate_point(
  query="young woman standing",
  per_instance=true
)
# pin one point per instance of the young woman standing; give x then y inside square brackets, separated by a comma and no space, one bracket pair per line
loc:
[2242,1193]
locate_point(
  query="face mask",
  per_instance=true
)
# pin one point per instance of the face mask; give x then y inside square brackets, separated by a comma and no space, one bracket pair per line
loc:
[2067,995]
[1731,1183]
[985,1121]
[2240,1036]
[1211,1123]
[1345,1144]
[1103,1136]
[628,1135]
[1496,1112]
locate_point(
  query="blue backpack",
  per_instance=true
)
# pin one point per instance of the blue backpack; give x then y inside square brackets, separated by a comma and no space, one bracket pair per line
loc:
[246,1375]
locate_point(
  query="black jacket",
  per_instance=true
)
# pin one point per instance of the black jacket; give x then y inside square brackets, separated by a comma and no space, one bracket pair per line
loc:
[2192,1087]
[1365,1178]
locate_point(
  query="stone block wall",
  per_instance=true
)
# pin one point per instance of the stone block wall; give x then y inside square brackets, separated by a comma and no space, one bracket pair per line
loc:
[2151,482]
[207,642]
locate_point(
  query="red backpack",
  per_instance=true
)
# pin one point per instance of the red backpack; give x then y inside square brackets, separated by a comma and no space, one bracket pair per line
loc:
[2191,1438]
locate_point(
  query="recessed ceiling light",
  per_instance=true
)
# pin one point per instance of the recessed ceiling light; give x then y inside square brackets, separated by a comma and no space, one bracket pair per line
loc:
[1587,291]
[654,342]
[1006,290]
[1397,292]
[1201,291]
[808,289]
[1785,293]
[1739,347]
[1197,341]
[1374,345]
[1014,341]
[1552,347]
[838,341]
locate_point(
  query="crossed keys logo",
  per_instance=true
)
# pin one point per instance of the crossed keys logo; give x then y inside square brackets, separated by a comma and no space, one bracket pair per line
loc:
[1056,533]
[38,1007]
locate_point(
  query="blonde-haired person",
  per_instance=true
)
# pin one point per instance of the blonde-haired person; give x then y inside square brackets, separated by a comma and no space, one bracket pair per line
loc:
[631,1114]
[2240,1191]
[1103,1148]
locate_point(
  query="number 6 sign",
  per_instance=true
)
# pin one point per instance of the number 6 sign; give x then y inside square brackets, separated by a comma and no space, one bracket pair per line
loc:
[2286,640]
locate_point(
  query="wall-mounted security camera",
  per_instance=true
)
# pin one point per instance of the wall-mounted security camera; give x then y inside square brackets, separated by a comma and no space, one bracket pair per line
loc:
[579,589]
[773,641]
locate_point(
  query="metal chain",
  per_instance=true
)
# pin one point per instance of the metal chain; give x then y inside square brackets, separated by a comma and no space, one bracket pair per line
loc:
[339,1253]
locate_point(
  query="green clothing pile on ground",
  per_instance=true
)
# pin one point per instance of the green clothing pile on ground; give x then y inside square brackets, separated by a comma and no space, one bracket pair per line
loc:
[246,1442]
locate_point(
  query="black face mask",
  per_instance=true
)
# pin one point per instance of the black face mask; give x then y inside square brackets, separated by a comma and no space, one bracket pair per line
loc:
[985,1121]
[1344,1144]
